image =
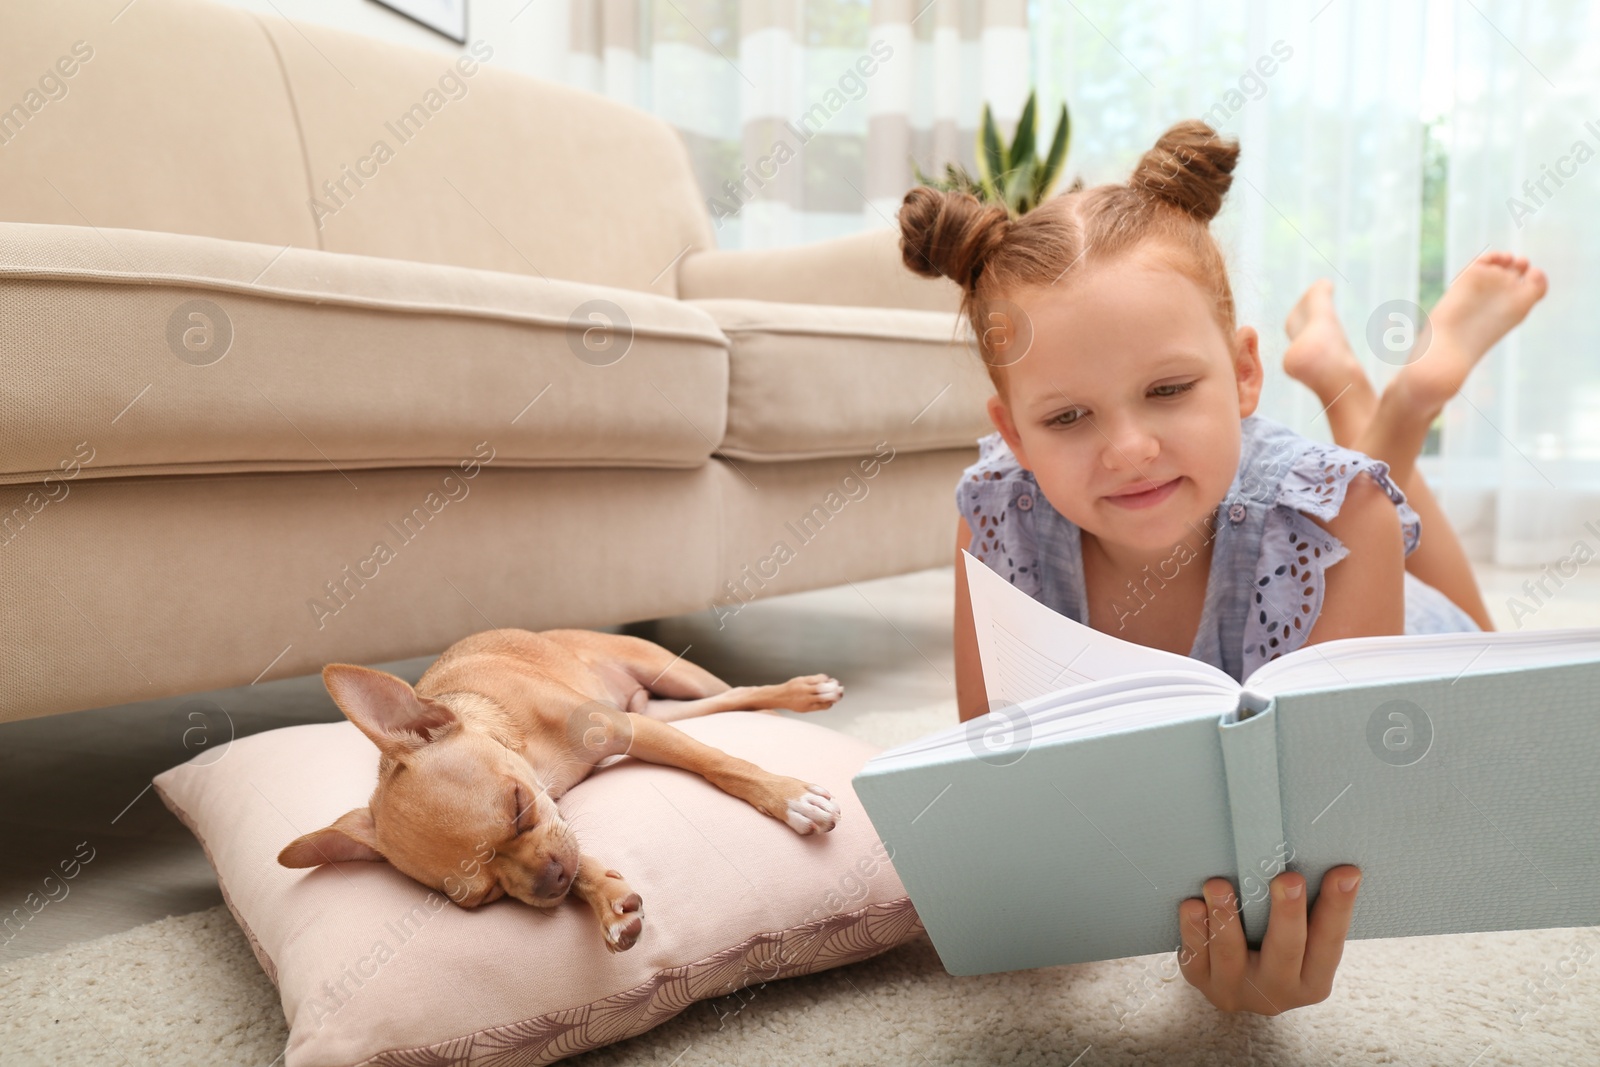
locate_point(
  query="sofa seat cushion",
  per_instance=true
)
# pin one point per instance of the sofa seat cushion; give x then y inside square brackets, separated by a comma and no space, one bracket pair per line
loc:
[808,381]
[132,352]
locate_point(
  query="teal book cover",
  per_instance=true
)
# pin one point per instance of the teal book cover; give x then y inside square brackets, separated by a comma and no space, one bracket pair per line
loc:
[1460,772]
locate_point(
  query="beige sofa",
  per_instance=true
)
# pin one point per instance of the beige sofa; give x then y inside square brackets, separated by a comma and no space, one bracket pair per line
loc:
[497,375]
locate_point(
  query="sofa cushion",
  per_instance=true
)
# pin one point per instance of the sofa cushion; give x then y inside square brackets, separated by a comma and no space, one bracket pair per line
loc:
[374,968]
[484,166]
[244,125]
[808,381]
[161,115]
[167,353]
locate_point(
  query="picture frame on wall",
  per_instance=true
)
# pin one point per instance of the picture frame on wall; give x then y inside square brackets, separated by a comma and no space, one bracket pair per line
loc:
[448,17]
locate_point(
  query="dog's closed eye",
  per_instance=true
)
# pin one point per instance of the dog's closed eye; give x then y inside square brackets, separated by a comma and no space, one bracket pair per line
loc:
[522,814]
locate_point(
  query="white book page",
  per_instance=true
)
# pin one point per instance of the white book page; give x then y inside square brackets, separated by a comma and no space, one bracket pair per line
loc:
[1029,651]
[1404,657]
[1109,706]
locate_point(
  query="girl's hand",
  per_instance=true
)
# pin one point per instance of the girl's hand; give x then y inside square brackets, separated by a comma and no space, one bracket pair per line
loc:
[1292,968]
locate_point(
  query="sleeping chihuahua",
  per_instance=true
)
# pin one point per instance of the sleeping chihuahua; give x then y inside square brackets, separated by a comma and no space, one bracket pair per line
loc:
[504,723]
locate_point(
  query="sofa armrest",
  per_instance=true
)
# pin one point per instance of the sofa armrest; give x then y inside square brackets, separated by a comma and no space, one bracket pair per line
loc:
[861,270]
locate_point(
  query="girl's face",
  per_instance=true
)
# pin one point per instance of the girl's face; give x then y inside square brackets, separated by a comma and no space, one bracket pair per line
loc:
[1128,382]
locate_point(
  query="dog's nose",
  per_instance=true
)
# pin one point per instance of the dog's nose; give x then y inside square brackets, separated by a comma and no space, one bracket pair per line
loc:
[553,880]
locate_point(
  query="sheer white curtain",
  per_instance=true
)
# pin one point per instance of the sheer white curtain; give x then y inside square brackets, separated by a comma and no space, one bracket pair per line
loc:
[802,118]
[1524,456]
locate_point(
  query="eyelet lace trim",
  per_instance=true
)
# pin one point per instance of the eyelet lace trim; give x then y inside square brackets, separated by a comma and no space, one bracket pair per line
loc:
[1317,482]
[1001,534]
[1287,598]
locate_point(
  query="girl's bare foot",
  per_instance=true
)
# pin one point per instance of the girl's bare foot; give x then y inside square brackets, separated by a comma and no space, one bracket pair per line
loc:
[1319,356]
[1487,299]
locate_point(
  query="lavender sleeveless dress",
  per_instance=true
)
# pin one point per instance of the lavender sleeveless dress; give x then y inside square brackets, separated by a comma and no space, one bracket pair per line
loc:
[1264,589]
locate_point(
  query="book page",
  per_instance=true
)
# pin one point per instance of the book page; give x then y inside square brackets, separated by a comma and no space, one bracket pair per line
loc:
[1028,651]
[1355,661]
[1103,707]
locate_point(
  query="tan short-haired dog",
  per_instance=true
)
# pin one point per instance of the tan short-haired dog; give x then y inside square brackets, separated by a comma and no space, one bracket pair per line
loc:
[504,723]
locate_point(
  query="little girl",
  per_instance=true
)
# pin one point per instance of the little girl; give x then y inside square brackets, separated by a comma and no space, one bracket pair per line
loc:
[1130,486]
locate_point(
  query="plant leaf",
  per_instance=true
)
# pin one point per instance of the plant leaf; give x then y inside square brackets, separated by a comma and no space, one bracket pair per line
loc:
[1050,171]
[1017,182]
[992,158]
[1022,144]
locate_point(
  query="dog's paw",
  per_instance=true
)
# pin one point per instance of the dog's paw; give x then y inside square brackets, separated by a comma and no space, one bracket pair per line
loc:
[621,913]
[623,933]
[813,811]
[812,692]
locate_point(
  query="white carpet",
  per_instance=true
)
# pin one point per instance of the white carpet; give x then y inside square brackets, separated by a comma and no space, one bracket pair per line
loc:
[187,990]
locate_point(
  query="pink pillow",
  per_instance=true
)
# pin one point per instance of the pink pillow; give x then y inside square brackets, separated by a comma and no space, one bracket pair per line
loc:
[373,967]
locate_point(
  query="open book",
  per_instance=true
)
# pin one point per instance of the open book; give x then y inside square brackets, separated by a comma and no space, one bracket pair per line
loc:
[1460,772]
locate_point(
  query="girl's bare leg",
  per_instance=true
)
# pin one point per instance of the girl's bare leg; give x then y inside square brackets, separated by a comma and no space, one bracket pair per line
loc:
[1489,297]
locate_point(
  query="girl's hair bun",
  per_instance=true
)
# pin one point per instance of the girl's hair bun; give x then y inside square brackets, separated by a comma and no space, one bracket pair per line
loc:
[1190,168]
[949,234]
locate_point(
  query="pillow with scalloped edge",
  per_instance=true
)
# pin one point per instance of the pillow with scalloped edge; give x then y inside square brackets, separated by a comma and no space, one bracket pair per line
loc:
[356,949]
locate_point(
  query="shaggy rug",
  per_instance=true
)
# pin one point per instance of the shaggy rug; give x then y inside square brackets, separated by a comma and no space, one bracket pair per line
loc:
[187,990]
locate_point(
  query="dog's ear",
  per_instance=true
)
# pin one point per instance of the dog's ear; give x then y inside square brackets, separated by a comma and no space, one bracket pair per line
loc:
[387,709]
[351,837]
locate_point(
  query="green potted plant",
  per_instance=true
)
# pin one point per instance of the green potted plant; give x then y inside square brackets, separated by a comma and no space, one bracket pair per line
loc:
[1013,176]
